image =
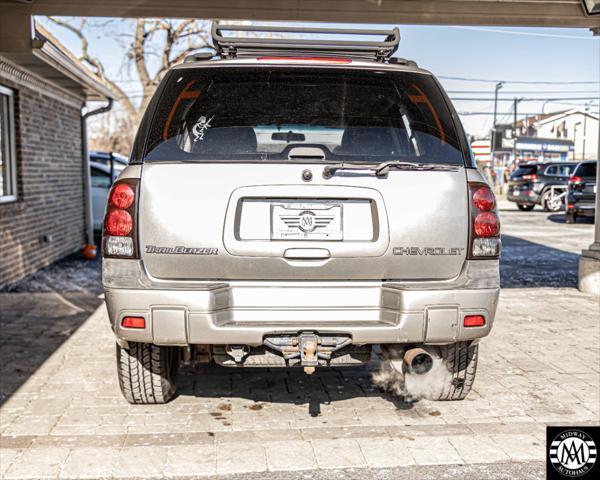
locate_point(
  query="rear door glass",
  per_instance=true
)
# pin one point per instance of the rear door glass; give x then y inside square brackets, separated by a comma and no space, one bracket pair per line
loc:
[525,170]
[261,114]
[100,179]
[586,170]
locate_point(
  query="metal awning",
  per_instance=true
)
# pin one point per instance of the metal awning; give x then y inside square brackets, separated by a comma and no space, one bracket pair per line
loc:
[548,13]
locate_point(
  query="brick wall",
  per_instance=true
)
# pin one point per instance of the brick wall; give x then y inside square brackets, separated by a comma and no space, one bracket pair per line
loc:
[50,184]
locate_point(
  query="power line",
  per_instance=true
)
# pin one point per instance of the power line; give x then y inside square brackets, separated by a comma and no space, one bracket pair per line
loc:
[524,82]
[523,99]
[520,114]
[529,34]
[520,92]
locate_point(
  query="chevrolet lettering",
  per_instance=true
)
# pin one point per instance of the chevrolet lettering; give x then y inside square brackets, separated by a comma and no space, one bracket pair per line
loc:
[428,251]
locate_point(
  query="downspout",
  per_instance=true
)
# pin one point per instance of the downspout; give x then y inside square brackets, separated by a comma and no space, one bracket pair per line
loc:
[87,174]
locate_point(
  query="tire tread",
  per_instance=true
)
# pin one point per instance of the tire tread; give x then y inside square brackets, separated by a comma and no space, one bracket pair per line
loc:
[147,373]
[461,361]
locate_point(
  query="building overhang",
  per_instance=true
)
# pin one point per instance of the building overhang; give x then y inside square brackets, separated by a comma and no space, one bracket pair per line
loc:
[539,13]
[42,57]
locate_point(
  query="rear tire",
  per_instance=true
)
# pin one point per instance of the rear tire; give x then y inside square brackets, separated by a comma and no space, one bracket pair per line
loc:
[525,208]
[550,204]
[461,361]
[147,373]
[570,218]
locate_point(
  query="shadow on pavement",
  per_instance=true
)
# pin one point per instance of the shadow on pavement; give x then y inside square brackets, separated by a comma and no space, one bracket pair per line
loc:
[284,385]
[525,264]
[40,313]
[560,218]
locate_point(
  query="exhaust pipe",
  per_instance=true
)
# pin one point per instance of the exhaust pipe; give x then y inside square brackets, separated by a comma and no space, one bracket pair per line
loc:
[418,361]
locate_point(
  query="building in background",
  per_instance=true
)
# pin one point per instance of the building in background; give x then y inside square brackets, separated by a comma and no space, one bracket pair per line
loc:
[569,135]
[578,126]
[43,89]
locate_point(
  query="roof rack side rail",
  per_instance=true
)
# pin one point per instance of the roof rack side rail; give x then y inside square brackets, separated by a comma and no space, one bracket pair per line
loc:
[230,46]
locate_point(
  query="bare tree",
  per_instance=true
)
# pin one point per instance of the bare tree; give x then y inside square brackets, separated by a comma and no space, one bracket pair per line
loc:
[112,133]
[169,41]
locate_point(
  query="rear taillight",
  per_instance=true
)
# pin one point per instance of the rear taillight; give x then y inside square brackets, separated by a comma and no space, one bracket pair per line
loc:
[122,195]
[118,234]
[484,221]
[575,181]
[118,222]
[532,177]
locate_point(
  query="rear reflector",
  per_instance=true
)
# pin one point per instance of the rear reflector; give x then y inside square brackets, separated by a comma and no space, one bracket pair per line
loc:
[474,321]
[133,322]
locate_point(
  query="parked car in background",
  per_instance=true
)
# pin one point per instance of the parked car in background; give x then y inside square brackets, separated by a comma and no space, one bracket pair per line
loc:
[105,158]
[543,184]
[101,182]
[583,185]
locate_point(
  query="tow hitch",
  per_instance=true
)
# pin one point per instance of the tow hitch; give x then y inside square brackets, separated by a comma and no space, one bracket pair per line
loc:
[309,346]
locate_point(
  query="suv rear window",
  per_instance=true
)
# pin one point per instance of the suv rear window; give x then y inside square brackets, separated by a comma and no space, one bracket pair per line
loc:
[525,170]
[586,170]
[261,114]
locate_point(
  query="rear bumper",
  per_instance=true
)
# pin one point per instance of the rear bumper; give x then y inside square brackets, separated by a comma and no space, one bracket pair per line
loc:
[244,312]
[583,210]
[582,207]
[525,197]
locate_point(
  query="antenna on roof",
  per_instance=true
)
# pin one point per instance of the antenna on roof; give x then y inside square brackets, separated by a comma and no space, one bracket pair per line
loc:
[231,46]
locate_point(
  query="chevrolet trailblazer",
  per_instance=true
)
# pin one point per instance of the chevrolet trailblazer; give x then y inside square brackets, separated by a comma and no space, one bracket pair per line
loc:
[299,202]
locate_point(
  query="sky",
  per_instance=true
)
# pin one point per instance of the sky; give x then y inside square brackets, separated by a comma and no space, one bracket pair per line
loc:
[540,63]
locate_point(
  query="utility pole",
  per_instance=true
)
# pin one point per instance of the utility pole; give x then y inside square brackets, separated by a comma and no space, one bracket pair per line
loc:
[585,114]
[515,103]
[499,85]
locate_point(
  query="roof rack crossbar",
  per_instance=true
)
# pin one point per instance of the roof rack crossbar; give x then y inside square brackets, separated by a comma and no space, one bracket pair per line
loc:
[233,46]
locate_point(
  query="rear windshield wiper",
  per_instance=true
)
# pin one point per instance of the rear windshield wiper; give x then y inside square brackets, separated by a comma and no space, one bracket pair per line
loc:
[382,169]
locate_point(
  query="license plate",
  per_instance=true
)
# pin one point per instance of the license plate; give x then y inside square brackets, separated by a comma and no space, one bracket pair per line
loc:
[306,221]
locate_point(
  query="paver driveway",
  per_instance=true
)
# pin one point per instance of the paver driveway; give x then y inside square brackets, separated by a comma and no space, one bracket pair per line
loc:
[63,415]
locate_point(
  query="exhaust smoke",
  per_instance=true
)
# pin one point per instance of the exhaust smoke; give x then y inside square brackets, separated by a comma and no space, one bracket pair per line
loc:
[423,375]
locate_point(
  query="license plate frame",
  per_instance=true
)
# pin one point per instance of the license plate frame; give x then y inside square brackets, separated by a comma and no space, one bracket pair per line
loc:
[316,221]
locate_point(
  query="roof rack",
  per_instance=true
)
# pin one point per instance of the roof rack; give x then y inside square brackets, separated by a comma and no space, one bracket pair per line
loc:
[235,46]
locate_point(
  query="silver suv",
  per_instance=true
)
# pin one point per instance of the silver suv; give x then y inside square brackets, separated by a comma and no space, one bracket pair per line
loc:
[299,202]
